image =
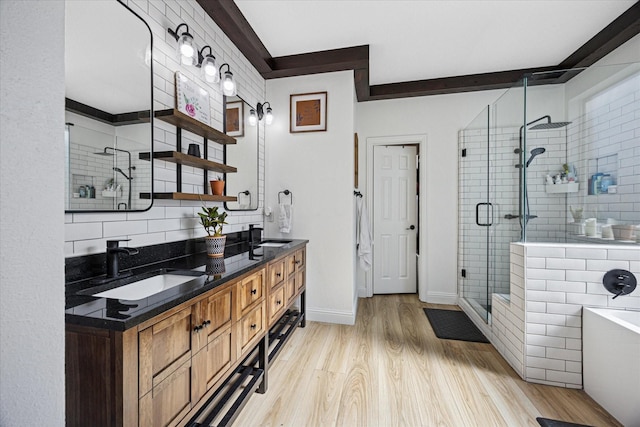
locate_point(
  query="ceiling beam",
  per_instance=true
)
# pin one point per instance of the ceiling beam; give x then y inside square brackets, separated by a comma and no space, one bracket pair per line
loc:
[227,16]
[230,19]
[447,85]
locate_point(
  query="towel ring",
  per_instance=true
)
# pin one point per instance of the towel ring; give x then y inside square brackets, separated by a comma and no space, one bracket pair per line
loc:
[246,193]
[357,193]
[286,193]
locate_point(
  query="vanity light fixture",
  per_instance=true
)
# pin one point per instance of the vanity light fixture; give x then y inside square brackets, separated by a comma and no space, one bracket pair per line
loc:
[186,50]
[208,66]
[260,112]
[227,83]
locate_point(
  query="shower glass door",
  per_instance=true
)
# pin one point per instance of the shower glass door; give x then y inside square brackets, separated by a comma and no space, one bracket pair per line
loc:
[476,214]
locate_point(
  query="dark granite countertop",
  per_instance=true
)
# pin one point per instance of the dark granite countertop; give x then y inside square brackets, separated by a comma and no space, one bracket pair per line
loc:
[81,308]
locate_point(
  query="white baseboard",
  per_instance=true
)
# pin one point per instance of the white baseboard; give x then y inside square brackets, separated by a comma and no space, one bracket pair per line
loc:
[331,316]
[362,292]
[441,298]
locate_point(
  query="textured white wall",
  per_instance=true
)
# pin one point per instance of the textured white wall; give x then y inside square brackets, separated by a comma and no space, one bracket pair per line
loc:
[440,118]
[317,167]
[31,212]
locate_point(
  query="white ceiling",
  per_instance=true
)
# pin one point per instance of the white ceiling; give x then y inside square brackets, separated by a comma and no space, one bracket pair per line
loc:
[425,39]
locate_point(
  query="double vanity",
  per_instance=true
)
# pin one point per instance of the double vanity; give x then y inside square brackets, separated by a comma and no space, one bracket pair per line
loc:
[184,341]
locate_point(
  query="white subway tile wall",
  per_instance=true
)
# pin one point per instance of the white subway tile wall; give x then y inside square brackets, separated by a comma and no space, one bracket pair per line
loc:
[170,220]
[543,342]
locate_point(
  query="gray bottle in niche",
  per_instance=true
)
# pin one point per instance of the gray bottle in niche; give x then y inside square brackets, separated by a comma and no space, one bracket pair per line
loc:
[92,192]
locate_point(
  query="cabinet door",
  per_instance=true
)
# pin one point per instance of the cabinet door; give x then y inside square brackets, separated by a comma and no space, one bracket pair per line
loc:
[212,362]
[250,290]
[252,326]
[164,346]
[290,262]
[290,290]
[170,400]
[300,280]
[277,303]
[301,258]
[215,314]
[277,271]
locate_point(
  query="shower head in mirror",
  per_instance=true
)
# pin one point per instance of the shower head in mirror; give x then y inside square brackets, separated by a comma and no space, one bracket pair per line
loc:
[550,125]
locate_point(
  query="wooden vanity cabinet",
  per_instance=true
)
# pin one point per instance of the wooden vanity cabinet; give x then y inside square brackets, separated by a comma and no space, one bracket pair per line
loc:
[162,371]
[286,282]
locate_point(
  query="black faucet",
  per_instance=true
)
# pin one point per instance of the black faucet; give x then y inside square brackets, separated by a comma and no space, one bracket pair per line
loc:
[252,228]
[113,270]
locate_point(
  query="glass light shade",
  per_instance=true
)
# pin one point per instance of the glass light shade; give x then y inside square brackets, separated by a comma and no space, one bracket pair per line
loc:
[187,49]
[253,119]
[228,85]
[268,118]
[209,69]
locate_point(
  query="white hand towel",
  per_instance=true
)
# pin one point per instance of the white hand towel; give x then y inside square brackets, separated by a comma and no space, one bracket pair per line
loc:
[284,219]
[363,237]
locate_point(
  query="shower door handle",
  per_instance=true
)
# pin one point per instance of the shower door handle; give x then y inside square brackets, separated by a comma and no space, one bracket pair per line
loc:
[490,217]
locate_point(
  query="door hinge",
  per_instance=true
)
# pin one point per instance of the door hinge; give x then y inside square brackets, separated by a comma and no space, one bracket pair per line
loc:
[463,272]
[464,152]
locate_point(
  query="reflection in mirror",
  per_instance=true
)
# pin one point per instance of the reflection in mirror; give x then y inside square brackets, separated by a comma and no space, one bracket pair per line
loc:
[243,155]
[108,80]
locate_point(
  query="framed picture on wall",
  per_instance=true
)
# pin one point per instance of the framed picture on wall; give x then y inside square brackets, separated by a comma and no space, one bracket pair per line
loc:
[308,112]
[191,99]
[235,118]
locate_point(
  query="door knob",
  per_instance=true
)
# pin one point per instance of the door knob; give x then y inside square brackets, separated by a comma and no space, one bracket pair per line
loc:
[411,227]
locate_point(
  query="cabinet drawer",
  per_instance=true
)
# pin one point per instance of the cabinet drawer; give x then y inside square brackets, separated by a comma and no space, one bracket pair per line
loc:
[295,261]
[169,401]
[250,290]
[277,270]
[251,326]
[277,303]
[164,347]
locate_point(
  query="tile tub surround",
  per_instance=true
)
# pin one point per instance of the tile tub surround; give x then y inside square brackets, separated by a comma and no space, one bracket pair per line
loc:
[538,328]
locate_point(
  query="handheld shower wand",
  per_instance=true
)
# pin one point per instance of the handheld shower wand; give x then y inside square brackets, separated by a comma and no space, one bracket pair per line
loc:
[535,152]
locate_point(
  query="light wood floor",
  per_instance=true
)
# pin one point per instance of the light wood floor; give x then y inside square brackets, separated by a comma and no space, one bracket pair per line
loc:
[391,370]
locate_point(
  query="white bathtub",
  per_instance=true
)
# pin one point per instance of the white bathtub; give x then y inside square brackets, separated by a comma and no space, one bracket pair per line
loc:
[611,361]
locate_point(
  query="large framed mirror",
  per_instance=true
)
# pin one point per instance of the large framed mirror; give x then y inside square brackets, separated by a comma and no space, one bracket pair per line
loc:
[243,155]
[109,105]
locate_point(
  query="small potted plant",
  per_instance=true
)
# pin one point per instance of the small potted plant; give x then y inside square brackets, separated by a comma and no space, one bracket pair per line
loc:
[213,221]
[217,186]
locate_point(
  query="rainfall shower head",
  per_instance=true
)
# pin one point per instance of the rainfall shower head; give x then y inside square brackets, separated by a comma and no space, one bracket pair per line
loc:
[104,153]
[550,125]
[535,152]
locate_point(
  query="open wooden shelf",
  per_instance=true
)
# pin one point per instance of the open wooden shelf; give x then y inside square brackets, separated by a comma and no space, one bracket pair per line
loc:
[189,196]
[187,160]
[183,121]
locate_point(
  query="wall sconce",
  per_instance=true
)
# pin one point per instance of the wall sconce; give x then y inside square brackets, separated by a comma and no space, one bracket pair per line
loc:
[227,83]
[259,113]
[208,66]
[186,49]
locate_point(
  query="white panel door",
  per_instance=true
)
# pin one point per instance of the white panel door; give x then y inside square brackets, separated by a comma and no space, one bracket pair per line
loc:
[394,215]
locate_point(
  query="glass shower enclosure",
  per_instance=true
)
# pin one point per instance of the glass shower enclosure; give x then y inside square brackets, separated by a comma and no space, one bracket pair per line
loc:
[554,160]
[489,212]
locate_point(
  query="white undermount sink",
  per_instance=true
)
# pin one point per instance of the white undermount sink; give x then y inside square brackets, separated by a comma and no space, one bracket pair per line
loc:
[274,243]
[146,287]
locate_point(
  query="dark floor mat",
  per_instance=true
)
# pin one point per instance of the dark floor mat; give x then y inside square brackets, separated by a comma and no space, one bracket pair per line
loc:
[546,422]
[454,325]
